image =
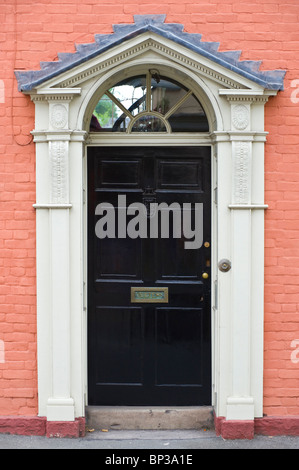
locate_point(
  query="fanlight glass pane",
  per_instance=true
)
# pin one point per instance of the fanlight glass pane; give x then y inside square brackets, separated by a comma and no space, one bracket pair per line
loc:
[105,115]
[131,93]
[149,123]
[189,117]
[165,94]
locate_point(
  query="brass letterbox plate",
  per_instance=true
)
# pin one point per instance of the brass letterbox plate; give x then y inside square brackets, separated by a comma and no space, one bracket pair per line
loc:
[149,294]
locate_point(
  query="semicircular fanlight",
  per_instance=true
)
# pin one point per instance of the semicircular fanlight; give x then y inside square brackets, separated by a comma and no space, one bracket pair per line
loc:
[164,105]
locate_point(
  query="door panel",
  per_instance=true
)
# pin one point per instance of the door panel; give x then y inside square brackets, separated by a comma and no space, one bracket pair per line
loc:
[178,174]
[177,344]
[118,258]
[148,353]
[120,339]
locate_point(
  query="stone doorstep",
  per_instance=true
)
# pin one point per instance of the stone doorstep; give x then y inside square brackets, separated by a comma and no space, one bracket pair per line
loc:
[154,418]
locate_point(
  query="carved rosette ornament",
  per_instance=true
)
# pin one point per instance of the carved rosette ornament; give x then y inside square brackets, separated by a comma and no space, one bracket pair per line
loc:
[59,116]
[240,117]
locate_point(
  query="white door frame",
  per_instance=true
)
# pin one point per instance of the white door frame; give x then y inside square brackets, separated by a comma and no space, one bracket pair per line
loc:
[234,105]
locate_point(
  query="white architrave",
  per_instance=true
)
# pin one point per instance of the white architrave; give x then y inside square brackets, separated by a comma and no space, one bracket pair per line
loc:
[53,258]
[235,109]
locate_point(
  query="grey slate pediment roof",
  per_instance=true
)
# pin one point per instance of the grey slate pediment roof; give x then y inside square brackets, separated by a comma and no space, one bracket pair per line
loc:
[28,80]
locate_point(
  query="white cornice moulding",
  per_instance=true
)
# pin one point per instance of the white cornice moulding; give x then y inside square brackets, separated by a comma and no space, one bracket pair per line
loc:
[64,134]
[229,136]
[247,94]
[55,93]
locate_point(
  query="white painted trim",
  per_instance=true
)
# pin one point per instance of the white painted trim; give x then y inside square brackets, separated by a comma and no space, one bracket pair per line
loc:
[248,206]
[52,206]
[122,139]
[49,92]
[247,94]
[238,186]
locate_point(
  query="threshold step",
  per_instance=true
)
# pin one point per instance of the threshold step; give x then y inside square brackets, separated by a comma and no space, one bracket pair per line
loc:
[138,417]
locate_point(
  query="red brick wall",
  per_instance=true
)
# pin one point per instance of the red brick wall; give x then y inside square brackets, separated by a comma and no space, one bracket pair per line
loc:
[34,31]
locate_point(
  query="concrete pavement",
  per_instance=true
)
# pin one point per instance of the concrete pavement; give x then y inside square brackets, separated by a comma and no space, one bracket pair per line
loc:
[164,441]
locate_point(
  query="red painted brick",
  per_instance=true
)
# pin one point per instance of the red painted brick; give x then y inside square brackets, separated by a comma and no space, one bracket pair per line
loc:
[24,425]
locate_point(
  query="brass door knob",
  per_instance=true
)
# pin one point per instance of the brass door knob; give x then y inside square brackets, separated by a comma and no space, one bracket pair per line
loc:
[205,275]
[224,265]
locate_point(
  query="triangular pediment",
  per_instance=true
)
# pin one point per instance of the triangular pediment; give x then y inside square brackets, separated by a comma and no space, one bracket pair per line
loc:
[149,32]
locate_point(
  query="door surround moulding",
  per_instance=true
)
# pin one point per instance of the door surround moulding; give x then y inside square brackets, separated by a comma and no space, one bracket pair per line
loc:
[234,96]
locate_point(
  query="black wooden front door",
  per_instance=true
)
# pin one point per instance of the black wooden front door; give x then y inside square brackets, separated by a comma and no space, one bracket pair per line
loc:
[145,348]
